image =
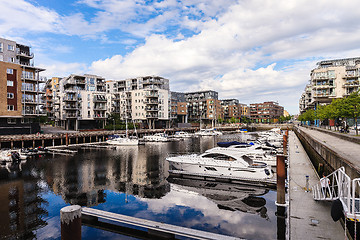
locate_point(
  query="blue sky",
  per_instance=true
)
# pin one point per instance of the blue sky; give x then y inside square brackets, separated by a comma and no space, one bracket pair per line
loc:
[252,50]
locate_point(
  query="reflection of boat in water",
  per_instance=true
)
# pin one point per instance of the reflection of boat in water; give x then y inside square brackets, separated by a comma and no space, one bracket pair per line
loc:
[12,156]
[232,197]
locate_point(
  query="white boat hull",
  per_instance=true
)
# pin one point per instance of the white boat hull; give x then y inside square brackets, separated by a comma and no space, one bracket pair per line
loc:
[218,168]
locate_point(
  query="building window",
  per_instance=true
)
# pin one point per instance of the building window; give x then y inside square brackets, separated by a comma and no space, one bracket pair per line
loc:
[11,120]
[1,47]
[11,59]
[10,95]
[10,107]
[11,47]
[10,71]
[10,83]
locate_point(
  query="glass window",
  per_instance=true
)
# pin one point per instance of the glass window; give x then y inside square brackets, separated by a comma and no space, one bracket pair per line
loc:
[10,107]
[11,120]
[1,47]
[10,71]
[11,47]
[11,59]
[10,95]
[10,83]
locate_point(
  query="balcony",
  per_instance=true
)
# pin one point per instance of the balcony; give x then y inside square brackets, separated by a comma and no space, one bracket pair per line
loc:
[29,101]
[70,115]
[152,116]
[99,116]
[151,109]
[151,101]
[351,83]
[70,107]
[70,99]
[152,95]
[100,108]
[99,98]
[320,95]
[32,113]
[23,53]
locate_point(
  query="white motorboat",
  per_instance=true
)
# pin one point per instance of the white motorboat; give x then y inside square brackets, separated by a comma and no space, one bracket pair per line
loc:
[158,137]
[122,140]
[182,134]
[255,153]
[219,163]
[208,132]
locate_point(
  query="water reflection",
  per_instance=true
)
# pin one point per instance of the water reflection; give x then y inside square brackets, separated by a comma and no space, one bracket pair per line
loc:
[227,196]
[131,181]
[22,208]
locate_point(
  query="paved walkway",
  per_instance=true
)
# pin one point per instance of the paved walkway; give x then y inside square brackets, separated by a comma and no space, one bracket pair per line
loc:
[308,219]
[346,149]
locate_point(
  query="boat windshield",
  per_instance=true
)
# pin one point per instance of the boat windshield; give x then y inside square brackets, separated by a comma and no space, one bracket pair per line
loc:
[219,156]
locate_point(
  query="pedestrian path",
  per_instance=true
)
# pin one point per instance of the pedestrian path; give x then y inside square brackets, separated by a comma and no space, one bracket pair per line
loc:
[346,149]
[308,219]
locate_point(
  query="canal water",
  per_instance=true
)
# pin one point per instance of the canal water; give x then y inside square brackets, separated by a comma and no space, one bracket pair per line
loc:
[132,181]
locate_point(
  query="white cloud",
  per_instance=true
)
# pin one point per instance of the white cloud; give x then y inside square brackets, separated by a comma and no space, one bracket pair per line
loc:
[20,17]
[61,69]
[249,50]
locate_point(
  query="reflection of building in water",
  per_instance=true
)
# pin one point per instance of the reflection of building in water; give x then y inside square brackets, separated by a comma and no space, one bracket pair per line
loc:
[21,208]
[141,173]
[230,197]
[83,181]
[80,182]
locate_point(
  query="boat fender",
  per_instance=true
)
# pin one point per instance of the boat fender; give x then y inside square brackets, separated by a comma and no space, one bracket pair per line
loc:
[267,172]
[336,210]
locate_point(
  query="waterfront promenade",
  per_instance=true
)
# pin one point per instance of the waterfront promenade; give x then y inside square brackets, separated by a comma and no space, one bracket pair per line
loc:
[308,219]
[349,150]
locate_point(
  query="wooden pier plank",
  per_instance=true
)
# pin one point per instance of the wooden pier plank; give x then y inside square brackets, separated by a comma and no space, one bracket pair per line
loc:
[152,225]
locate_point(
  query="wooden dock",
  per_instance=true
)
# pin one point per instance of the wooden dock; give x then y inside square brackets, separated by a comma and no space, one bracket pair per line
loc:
[152,230]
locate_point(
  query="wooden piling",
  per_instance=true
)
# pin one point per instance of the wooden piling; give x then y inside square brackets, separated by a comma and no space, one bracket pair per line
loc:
[285,140]
[280,178]
[70,218]
[12,144]
[67,140]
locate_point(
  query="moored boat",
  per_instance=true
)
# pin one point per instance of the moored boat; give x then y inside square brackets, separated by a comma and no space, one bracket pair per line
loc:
[219,163]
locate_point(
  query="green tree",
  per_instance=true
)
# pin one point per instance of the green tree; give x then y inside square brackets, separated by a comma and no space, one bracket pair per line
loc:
[350,107]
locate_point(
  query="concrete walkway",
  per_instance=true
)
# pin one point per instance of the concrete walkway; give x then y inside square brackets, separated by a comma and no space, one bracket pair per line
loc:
[346,149]
[308,219]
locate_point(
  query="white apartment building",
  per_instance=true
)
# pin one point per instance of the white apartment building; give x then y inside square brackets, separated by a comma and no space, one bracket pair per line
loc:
[81,102]
[330,80]
[144,100]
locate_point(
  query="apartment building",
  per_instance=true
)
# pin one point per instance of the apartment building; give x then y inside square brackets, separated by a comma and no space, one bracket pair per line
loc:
[306,101]
[331,79]
[266,112]
[203,105]
[81,102]
[178,108]
[22,89]
[145,100]
[51,87]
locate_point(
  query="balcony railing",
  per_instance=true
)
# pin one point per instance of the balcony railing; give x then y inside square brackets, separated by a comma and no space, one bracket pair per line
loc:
[152,115]
[24,53]
[99,116]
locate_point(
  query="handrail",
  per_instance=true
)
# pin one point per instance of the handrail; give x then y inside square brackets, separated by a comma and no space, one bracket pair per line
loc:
[343,188]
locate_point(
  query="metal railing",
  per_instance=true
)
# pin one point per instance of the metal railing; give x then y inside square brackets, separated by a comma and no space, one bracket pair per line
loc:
[338,185]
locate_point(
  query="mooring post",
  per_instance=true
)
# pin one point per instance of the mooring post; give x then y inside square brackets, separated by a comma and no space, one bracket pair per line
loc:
[280,178]
[285,138]
[70,218]
[12,144]
[67,139]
